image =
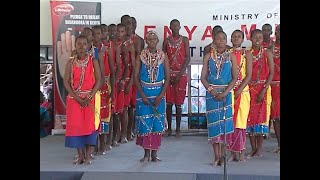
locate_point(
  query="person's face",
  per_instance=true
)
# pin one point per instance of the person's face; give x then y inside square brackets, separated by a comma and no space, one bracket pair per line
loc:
[97,34]
[105,32]
[88,34]
[121,32]
[236,39]
[82,45]
[267,31]
[175,27]
[257,39]
[152,41]
[112,32]
[220,40]
[129,28]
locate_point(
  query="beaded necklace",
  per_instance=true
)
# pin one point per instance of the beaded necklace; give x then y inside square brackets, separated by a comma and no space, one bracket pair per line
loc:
[152,65]
[82,64]
[174,44]
[152,62]
[242,59]
[259,58]
[219,59]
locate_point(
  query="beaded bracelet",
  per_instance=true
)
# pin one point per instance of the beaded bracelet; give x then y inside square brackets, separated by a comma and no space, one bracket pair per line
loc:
[210,88]
[89,97]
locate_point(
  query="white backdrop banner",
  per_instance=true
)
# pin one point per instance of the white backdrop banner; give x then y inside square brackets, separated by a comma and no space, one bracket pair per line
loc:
[197,18]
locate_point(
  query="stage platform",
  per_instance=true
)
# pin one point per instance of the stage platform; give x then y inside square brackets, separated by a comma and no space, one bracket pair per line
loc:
[185,158]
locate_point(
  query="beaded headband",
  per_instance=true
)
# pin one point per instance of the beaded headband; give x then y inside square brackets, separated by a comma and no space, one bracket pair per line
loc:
[151,33]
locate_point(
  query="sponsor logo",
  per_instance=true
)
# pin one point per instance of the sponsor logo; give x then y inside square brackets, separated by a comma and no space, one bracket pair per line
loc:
[63,9]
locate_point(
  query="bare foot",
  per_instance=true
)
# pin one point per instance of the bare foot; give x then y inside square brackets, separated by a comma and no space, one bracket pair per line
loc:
[123,140]
[108,147]
[145,159]
[130,138]
[178,134]
[96,151]
[251,154]
[155,159]
[91,156]
[168,133]
[78,160]
[276,150]
[102,150]
[232,158]
[87,162]
[242,158]
[214,163]
[258,153]
[221,162]
[114,144]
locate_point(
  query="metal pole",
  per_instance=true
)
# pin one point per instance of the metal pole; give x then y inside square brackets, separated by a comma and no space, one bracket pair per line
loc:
[225,176]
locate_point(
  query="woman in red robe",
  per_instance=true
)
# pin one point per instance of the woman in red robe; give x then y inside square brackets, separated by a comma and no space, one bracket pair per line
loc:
[260,93]
[82,80]
[275,89]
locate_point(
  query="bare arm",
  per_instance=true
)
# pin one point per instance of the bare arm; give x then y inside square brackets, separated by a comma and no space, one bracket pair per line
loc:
[111,67]
[246,80]
[117,62]
[166,76]
[271,67]
[67,81]
[97,75]
[125,61]
[141,43]
[187,61]
[133,59]
[137,46]
[164,45]
[136,76]
[157,100]
[206,49]
[270,76]
[102,55]
[204,71]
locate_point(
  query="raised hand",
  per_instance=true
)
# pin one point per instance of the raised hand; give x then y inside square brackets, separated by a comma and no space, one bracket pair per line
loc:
[64,49]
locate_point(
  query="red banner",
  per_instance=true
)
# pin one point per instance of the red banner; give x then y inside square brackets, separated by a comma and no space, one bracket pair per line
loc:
[68,19]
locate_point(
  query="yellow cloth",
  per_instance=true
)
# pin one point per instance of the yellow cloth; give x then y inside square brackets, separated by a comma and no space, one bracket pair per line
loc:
[97,104]
[109,104]
[269,100]
[244,107]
